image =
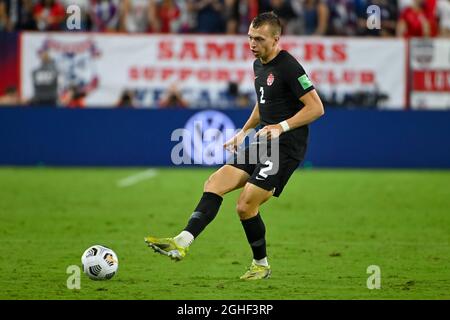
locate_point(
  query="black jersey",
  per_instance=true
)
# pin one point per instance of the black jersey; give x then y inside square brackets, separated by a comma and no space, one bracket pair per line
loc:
[279,84]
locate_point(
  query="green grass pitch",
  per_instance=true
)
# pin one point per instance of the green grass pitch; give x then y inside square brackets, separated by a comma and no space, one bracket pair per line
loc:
[322,233]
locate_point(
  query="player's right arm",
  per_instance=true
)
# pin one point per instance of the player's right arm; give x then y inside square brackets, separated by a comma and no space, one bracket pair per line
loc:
[232,144]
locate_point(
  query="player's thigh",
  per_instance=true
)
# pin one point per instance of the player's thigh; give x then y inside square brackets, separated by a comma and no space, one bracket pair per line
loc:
[250,199]
[226,179]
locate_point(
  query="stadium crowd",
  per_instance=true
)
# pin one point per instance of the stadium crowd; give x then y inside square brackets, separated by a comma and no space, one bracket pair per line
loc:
[408,18]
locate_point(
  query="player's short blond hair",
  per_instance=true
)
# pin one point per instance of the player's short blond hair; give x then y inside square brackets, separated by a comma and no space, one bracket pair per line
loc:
[269,18]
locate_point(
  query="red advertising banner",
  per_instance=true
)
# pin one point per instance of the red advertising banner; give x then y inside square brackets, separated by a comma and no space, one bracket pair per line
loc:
[432,81]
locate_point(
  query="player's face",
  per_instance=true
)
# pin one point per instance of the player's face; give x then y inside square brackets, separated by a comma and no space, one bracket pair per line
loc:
[262,41]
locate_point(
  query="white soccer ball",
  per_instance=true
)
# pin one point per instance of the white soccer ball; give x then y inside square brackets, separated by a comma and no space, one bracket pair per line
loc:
[99,262]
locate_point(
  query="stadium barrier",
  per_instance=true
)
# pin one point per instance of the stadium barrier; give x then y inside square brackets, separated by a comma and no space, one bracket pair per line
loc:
[124,137]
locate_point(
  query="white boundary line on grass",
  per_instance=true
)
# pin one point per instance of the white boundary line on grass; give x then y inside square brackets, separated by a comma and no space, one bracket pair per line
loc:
[136,178]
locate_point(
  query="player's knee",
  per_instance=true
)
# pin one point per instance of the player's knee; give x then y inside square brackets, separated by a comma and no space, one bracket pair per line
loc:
[244,209]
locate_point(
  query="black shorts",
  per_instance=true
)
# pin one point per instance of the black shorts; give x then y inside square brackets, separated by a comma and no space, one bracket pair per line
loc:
[268,173]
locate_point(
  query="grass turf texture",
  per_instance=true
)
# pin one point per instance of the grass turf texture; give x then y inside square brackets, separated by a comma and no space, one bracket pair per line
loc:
[325,230]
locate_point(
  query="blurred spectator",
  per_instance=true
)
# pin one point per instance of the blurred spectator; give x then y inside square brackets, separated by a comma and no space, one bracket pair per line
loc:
[188,18]
[210,18]
[429,7]
[24,19]
[5,24]
[73,97]
[138,15]
[234,98]
[10,98]
[364,99]
[388,15]
[360,99]
[316,17]
[16,14]
[402,4]
[231,94]
[239,15]
[312,17]
[244,101]
[343,18]
[303,17]
[126,99]
[283,9]
[413,21]
[104,15]
[264,6]
[443,13]
[172,98]
[169,15]
[45,81]
[49,15]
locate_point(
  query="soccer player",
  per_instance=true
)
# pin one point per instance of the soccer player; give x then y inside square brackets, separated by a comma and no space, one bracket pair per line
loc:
[286,103]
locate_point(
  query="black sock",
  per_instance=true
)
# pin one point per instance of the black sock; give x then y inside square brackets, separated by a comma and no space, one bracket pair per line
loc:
[255,231]
[205,212]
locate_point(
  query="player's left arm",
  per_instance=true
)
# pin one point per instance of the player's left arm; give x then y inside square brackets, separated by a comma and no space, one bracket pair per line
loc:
[312,110]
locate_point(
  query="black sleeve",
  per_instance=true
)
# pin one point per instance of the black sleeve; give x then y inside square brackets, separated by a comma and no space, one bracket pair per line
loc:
[295,77]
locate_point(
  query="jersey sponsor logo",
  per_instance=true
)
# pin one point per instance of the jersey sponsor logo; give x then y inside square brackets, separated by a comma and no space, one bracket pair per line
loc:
[304,81]
[270,79]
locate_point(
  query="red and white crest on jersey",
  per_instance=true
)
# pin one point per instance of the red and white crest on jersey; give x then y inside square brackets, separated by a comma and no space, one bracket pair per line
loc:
[270,79]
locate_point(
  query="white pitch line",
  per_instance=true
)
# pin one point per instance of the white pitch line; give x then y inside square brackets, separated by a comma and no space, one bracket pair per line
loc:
[136,178]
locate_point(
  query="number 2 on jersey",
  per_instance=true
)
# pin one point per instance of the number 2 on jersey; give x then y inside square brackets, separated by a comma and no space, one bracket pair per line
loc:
[261,98]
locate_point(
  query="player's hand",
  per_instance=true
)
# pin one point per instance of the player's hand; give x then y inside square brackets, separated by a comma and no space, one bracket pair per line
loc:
[233,144]
[272,131]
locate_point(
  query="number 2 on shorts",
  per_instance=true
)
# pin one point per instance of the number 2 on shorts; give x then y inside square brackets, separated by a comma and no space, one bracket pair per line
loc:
[263,171]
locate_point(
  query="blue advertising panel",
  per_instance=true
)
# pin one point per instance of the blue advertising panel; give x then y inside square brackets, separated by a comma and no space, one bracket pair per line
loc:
[124,137]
